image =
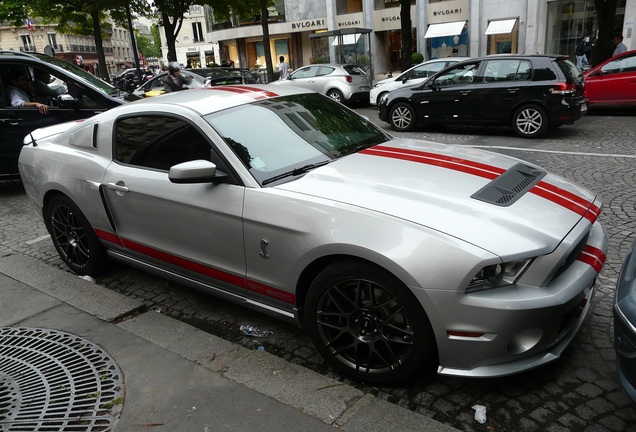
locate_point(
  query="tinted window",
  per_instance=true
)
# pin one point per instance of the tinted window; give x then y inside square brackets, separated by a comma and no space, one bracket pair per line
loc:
[324,70]
[569,69]
[158,142]
[100,84]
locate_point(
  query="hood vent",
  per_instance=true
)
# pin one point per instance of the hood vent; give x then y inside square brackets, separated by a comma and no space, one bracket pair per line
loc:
[510,186]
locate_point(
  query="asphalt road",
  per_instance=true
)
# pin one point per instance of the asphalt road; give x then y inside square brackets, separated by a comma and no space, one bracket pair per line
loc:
[580,392]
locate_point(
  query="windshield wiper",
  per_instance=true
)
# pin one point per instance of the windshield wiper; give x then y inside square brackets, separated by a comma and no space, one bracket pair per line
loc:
[296,171]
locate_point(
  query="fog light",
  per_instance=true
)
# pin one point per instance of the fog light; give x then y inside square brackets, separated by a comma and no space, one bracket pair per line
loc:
[524,341]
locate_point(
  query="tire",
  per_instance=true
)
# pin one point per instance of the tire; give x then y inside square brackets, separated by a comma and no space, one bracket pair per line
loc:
[402,117]
[335,95]
[74,238]
[530,121]
[368,325]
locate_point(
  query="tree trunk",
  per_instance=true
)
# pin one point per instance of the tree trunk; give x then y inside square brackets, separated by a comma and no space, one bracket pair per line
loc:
[171,37]
[606,12]
[101,58]
[406,34]
[266,47]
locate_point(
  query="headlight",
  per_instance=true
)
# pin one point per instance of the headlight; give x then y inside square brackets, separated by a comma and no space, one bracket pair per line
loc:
[496,276]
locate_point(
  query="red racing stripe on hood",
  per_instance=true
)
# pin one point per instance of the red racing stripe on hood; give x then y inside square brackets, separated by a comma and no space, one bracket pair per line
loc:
[573,202]
[593,257]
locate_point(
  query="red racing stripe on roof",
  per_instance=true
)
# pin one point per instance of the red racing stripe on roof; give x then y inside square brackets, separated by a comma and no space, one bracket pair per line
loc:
[253,92]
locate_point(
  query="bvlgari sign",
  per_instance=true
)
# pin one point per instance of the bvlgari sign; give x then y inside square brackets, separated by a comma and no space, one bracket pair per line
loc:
[389,19]
[447,11]
[310,24]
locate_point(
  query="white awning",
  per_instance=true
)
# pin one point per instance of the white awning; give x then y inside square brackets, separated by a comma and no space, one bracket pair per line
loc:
[501,26]
[445,29]
[347,39]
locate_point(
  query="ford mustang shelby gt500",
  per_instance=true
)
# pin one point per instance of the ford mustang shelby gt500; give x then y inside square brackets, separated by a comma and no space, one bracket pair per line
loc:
[394,254]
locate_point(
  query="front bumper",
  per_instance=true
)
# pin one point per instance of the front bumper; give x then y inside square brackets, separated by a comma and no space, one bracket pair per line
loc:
[514,328]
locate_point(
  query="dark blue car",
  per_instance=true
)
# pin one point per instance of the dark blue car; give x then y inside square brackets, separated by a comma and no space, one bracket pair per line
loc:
[625,323]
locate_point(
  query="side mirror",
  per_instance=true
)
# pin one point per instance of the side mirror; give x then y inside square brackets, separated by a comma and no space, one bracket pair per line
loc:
[196,171]
[67,101]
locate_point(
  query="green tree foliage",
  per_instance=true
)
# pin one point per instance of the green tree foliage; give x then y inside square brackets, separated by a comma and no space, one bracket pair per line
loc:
[147,46]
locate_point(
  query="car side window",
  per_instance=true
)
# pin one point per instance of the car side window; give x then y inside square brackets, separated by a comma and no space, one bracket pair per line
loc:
[159,142]
[507,70]
[623,64]
[459,75]
[306,72]
[425,70]
[324,70]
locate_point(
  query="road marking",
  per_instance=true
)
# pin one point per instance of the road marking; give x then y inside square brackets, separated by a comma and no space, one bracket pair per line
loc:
[39,239]
[556,151]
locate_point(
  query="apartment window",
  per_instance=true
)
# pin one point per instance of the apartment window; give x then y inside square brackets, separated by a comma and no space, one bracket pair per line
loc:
[27,45]
[197,31]
[52,40]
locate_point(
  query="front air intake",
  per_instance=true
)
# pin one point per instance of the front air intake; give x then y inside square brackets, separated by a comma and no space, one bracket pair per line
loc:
[510,186]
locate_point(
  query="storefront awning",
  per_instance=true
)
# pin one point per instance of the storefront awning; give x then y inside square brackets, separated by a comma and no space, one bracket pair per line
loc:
[348,39]
[501,26]
[445,29]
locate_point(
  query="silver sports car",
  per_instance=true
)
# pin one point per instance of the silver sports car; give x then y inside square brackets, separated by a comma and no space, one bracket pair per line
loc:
[396,255]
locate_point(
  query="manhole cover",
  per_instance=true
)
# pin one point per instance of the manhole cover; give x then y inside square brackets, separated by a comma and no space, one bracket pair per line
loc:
[55,381]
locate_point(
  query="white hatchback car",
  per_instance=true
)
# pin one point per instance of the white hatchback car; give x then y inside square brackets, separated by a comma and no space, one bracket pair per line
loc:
[341,82]
[415,75]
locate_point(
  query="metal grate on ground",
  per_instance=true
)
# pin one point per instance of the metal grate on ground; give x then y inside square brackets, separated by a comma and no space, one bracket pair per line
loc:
[54,381]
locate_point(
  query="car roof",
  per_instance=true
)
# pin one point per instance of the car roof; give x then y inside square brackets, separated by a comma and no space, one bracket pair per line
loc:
[209,100]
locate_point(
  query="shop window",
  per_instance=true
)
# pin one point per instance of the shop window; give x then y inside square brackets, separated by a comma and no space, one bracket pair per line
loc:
[348,6]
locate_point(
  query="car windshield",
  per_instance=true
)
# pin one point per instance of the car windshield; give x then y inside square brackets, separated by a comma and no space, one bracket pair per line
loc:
[286,135]
[77,71]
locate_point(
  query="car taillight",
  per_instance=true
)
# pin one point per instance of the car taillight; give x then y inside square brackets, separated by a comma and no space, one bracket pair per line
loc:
[349,79]
[563,89]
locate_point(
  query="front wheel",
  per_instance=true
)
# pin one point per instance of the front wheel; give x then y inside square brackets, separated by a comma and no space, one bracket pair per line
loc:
[335,95]
[73,237]
[530,121]
[368,325]
[402,117]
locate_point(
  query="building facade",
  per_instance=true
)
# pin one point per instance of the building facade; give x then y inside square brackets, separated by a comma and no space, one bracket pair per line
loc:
[81,50]
[368,31]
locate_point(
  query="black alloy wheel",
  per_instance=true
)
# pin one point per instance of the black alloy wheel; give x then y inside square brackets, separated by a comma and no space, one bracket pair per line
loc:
[530,121]
[73,237]
[368,325]
[402,117]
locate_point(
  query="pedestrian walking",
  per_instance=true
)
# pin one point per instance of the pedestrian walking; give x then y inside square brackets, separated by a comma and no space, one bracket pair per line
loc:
[579,53]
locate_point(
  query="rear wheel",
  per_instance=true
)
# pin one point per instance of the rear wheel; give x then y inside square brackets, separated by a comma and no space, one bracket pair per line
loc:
[402,117]
[530,121]
[335,95]
[73,237]
[368,325]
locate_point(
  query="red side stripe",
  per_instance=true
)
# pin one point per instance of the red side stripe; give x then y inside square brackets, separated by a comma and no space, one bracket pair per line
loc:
[199,268]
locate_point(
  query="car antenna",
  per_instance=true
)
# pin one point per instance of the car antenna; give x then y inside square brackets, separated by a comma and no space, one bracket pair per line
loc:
[35,144]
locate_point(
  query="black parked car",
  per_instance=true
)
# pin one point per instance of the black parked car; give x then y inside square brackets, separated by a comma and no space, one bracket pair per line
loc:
[529,93]
[625,323]
[83,95]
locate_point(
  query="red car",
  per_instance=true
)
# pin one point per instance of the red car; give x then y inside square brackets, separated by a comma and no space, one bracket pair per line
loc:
[613,82]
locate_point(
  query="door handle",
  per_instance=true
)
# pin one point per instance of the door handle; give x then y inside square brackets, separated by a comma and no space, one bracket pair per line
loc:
[12,121]
[118,187]
[513,90]
[465,92]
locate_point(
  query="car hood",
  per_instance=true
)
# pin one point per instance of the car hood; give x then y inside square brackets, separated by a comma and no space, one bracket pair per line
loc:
[434,185]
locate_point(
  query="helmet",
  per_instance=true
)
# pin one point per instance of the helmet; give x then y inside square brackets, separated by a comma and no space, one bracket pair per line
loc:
[173,66]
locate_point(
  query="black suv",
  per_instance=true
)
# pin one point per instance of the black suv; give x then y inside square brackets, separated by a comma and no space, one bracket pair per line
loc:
[529,93]
[82,95]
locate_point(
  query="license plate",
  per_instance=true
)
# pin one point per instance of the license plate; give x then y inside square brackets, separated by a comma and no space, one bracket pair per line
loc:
[583,107]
